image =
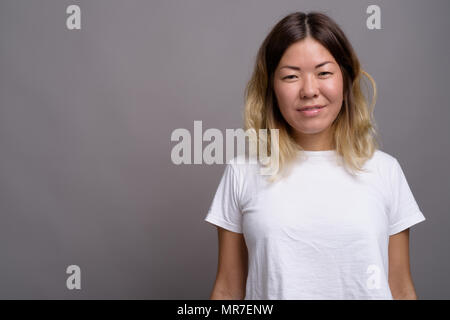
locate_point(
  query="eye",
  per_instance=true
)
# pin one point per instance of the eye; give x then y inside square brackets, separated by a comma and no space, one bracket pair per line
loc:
[289,77]
[325,72]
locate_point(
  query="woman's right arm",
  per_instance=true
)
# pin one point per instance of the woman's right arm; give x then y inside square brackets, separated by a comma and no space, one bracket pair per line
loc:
[232,266]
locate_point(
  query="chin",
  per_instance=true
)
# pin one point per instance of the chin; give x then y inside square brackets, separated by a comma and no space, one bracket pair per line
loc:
[311,130]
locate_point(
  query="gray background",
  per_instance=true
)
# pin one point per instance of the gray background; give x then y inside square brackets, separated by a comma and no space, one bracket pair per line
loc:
[86,117]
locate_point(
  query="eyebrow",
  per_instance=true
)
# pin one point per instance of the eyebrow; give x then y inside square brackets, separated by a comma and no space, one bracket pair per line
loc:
[297,68]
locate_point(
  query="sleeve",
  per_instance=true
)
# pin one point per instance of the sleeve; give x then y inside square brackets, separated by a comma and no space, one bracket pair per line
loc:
[404,211]
[225,209]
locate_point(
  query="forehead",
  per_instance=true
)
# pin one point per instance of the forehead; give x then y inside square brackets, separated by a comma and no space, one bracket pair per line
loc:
[306,53]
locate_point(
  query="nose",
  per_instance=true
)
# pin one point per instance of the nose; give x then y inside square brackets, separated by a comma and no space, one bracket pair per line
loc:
[310,88]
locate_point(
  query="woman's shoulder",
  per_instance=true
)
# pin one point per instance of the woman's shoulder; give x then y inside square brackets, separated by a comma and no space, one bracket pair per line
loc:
[244,161]
[244,165]
[383,157]
[383,161]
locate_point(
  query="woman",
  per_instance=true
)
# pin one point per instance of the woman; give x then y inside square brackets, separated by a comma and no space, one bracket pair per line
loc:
[336,224]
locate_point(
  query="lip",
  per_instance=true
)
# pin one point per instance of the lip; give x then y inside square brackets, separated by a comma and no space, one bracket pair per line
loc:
[311,113]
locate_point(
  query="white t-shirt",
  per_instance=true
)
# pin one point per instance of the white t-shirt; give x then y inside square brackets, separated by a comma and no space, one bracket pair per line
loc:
[318,233]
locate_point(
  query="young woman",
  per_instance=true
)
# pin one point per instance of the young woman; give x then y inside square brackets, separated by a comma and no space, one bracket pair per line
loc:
[336,224]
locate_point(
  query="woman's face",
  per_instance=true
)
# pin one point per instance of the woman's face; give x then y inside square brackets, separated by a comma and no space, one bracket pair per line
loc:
[308,75]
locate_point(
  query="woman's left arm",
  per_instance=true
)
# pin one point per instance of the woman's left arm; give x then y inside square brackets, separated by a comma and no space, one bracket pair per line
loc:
[400,280]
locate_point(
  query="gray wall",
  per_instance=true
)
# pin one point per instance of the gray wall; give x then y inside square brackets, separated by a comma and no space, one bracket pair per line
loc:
[86,117]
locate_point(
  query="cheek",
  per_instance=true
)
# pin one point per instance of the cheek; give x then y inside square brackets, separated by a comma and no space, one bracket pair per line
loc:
[333,90]
[286,95]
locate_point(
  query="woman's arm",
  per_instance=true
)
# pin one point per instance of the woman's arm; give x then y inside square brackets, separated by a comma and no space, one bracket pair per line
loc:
[232,267]
[400,280]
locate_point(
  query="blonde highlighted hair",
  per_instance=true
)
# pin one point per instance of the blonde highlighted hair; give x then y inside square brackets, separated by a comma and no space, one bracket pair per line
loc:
[355,135]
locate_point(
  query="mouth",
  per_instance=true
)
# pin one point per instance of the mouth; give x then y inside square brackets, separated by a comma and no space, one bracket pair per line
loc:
[315,107]
[311,111]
